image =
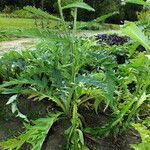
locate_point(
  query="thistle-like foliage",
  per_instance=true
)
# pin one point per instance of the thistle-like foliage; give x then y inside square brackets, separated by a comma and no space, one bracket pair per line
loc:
[134,30]
[144,132]
[71,71]
[58,70]
[38,12]
[96,21]
[34,134]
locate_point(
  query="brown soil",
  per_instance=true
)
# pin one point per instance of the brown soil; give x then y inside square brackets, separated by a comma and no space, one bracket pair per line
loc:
[10,126]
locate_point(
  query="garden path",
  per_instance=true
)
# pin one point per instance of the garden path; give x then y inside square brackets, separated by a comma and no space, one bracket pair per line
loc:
[19,44]
[23,43]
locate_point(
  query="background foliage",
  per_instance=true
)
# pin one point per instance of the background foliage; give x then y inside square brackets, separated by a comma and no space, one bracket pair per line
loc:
[127,12]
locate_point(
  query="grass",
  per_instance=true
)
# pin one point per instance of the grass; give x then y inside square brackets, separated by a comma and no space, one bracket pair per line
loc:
[20,23]
[29,23]
[16,22]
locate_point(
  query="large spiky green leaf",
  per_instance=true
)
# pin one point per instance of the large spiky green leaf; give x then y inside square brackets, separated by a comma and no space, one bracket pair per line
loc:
[97,20]
[35,134]
[13,101]
[41,13]
[81,5]
[106,129]
[139,102]
[132,30]
[102,18]
[107,86]
[145,137]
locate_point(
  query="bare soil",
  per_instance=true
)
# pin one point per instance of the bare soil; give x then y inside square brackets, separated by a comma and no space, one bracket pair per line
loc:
[10,126]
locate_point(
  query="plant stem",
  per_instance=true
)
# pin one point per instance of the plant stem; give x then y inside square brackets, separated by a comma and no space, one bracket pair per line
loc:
[62,16]
[75,21]
[60,10]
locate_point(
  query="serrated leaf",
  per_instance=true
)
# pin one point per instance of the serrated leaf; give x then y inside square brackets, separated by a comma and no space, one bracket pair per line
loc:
[81,137]
[14,108]
[136,33]
[20,115]
[39,12]
[34,135]
[97,20]
[145,136]
[97,103]
[11,99]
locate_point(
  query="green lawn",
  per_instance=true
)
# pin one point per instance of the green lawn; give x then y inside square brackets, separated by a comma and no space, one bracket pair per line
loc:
[20,23]
[16,22]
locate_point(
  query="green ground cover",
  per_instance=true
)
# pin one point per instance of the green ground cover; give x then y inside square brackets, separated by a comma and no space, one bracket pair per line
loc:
[28,23]
[16,22]
[21,23]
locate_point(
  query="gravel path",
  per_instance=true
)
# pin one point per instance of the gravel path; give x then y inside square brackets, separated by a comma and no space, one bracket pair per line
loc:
[19,44]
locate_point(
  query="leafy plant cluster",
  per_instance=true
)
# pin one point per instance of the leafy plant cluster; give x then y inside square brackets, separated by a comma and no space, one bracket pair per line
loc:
[74,72]
[139,30]
[143,129]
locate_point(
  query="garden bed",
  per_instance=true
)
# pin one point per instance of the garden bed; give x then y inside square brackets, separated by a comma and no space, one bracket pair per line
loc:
[76,92]
[11,126]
